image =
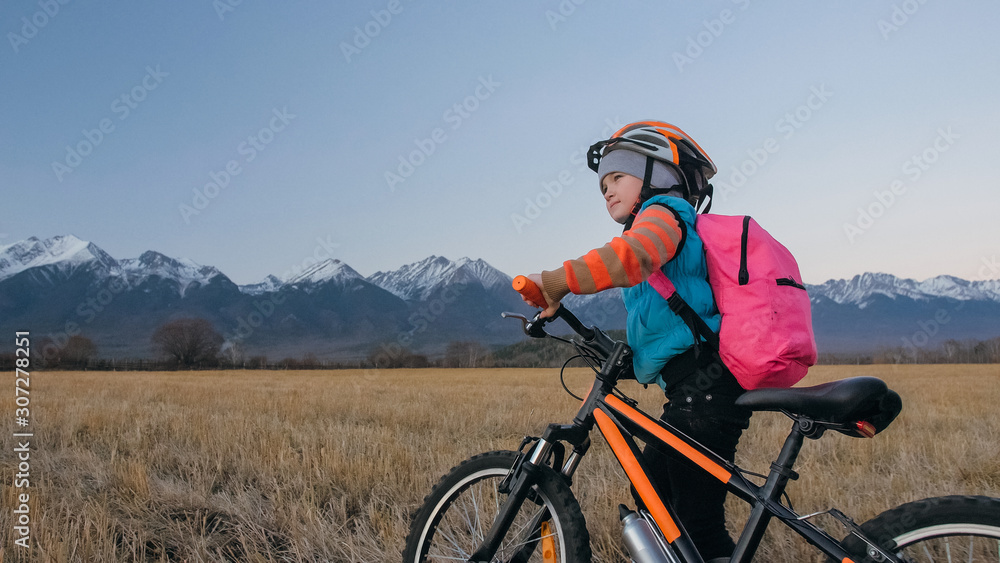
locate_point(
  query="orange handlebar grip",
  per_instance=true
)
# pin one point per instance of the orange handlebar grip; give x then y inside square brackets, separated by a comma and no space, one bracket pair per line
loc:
[527,288]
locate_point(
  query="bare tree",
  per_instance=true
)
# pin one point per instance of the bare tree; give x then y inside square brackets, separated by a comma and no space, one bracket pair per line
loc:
[234,353]
[387,358]
[78,352]
[465,354]
[74,352]
[188,342]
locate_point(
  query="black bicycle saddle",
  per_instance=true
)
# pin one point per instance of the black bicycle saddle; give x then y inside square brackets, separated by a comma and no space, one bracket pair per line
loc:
[849,400]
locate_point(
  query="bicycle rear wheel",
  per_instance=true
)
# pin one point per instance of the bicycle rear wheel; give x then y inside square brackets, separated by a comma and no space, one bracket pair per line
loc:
[460,510]
[943,529]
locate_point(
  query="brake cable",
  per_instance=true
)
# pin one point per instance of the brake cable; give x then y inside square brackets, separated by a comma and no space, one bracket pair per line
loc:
[562,379]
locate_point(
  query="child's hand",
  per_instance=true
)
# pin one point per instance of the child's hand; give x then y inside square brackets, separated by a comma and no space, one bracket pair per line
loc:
[550,307]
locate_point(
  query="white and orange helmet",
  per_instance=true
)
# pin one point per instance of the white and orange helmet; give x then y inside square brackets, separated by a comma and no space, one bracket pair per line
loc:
[665,143]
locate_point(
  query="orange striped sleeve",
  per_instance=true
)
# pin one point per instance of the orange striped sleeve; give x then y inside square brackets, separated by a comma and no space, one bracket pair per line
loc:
[627,255]
[666,245]
[657,212]
[664,227]
[626,261]
[649,245]
[598,270]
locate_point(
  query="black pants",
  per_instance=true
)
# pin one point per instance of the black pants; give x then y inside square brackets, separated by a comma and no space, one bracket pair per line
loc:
[700,405]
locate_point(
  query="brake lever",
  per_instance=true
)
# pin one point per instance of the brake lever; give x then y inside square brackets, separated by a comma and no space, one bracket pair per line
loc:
[532,327]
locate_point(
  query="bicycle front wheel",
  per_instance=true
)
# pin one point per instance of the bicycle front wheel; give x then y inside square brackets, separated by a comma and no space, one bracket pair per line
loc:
[943,529]
[460,510]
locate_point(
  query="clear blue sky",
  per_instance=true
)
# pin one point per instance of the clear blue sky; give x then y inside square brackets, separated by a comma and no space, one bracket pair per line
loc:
[311,104]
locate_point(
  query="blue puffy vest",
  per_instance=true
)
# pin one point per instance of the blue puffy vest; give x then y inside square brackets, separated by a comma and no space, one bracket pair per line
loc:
[655,333]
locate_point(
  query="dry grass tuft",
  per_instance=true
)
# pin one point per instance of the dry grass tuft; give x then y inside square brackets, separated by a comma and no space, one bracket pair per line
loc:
[328,466]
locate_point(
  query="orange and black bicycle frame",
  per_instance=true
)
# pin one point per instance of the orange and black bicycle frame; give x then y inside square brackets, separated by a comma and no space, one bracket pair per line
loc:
[622,424]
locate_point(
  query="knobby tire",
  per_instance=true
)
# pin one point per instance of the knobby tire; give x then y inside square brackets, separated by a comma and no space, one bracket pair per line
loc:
[943,529]
[460,510]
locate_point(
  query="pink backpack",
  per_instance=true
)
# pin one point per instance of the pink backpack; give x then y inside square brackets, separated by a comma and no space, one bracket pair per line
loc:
[766,337]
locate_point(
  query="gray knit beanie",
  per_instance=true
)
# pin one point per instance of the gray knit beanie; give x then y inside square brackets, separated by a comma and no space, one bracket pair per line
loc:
[634,164]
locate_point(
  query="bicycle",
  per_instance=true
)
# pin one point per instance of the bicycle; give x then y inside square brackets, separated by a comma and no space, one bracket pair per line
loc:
[518,506]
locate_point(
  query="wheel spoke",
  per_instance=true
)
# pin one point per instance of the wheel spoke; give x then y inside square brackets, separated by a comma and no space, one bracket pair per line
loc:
[450,539]
[949,548]
[462,508]
[476,528]
[468,515]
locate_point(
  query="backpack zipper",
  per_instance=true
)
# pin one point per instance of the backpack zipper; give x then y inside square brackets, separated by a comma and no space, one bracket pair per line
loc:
[789,281]
[744,273]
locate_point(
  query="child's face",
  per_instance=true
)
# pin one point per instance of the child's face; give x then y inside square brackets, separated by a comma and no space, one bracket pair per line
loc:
[621,192]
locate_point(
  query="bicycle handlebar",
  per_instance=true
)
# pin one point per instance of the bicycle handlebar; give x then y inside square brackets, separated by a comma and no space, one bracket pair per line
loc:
[614,354]
[529,289]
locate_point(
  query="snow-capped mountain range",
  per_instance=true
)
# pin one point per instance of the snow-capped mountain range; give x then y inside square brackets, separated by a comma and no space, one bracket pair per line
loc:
[415,282]
[63,280]
[418,281]
[150,263]
[65,254]
[860,289]
[327,271]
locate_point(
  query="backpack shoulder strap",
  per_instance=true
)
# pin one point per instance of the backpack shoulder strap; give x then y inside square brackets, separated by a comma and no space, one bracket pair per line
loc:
[662,284]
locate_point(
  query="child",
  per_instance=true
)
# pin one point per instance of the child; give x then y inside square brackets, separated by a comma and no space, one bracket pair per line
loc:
[653,177]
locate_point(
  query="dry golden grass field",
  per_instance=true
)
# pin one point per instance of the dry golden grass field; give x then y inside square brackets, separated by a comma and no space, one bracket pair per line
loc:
[328,465]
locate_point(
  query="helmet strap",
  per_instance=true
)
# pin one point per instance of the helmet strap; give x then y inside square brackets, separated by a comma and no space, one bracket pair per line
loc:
[644,194]
[707,194]
[693,182]
[647,188]
[633,214]
[692,185]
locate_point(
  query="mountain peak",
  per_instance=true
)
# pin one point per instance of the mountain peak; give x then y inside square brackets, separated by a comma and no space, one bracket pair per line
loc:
[182,270]
[861,289]
[326,271]
[417,281]
[64,251]
[270,283]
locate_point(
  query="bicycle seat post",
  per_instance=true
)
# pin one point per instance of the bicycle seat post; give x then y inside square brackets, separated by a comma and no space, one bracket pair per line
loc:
[781,472]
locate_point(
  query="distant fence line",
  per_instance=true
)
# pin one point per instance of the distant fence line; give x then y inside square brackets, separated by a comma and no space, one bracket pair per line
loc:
[144,364]
[530,353]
